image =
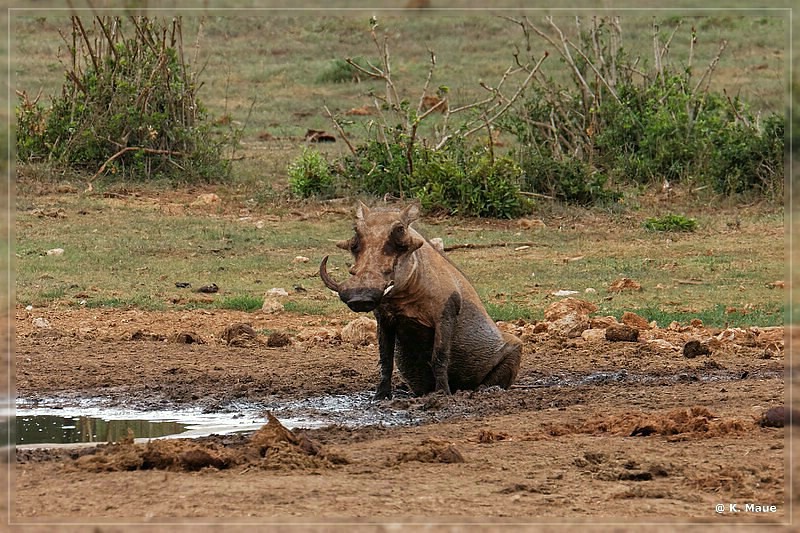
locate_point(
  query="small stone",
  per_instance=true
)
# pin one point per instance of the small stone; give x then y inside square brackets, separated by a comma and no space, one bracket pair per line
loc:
[271,305]
[300,259]
[206,199]
[438,244]
[56,252]
[277,291]
[278,340]
[209,289]
[624,284]
[634,320]
[622,333]
[694,347]
[40,322]
[594,335]
[361,331]
[564,292]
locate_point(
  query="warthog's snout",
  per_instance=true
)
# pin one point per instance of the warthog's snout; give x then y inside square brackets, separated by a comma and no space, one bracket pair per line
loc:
[361,300]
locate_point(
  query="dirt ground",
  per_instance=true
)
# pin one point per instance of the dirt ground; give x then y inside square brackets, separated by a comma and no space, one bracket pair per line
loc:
[593,429]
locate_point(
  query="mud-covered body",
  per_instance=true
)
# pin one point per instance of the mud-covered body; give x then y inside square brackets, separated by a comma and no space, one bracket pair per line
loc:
[431,322]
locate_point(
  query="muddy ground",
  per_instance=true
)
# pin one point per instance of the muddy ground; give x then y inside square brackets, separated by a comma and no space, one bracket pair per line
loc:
[593,430]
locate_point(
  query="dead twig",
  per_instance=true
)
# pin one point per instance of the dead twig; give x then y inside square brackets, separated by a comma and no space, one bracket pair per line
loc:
[341,131]
[124,151]
[481,245]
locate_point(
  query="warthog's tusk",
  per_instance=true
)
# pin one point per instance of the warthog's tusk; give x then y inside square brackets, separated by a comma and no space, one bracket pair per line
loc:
[326,279]
[388,288]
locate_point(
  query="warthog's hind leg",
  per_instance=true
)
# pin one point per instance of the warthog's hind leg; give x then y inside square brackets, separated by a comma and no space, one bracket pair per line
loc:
[505,372]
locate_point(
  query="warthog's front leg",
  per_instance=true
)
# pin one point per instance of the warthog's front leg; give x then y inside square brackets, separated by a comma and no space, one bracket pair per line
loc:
[386,341]
[443,341]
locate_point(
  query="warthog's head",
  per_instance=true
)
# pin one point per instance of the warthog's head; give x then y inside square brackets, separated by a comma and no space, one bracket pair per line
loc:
[382,242]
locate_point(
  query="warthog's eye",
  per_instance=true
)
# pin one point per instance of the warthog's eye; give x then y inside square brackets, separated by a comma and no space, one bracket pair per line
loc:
[397,242]
[355,244]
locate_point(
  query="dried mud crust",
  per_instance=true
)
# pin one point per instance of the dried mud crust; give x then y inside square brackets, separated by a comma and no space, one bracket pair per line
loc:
[592,428]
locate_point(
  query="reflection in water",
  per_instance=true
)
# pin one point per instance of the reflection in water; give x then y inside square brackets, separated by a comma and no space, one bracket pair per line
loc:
[40,429]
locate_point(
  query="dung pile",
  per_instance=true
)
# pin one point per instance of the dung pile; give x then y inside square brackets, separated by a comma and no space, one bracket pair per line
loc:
[273,447]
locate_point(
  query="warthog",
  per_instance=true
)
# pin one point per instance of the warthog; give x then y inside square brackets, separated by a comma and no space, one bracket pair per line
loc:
[430,319]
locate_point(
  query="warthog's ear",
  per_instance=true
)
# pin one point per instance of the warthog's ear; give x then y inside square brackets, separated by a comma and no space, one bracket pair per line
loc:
[409,214]
[361,210]
[405,240]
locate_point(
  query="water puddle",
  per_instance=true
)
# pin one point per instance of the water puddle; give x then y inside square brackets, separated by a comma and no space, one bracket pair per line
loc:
[59,421]
[87,425]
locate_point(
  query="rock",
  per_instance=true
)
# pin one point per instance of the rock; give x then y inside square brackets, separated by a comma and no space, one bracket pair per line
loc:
[183,285]
[271,305]
[570,326]
[206,199]
[594,335]
[185,337]
[300,259]
[564,292]
[624,284]
[319,136]
[590,290]
[622,333]
[277,340]
[277,291]
[438,244]
[531,223]
[361,331]
[40,322]
[694,347]
[662,343]
[568,306]
[602,322]
[56,252]
[635,321]
[540,327]
[238,334]
[208,289]
[569,317]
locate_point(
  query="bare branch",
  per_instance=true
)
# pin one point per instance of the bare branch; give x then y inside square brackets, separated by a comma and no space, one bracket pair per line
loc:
[341,131]
[710,68]
[510,101]
[427,83]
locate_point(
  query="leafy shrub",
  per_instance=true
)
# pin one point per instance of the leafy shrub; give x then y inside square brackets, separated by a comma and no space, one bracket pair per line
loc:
[639,125]
[671,223]
[128,106]
[455,179]
[340,71]
[571,180]
[309,175]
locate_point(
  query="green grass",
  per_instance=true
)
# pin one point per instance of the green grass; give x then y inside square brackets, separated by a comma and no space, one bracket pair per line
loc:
[718,315]
[130,252]
[240,303]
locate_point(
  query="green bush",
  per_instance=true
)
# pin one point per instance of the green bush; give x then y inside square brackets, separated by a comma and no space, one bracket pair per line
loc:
[127,106]
[635,124]
[455,179]
[671,223]
[310,175]
[571,180]
[340,71]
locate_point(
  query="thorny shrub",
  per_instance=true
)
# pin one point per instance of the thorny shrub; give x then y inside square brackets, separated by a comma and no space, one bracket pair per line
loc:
[128,106]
